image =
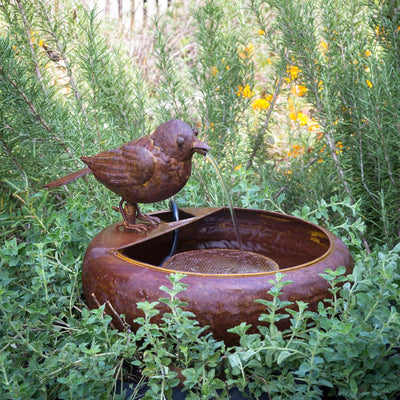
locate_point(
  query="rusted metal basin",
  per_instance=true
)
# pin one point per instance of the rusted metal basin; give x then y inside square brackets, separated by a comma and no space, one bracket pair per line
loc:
[122,267]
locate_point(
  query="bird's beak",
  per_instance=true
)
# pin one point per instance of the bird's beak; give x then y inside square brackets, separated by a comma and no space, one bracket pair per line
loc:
[201,147]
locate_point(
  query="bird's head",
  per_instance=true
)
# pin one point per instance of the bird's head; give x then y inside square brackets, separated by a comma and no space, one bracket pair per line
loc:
[178,140]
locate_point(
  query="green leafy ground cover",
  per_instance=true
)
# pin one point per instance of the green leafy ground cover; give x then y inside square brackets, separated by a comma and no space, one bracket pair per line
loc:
[299,102]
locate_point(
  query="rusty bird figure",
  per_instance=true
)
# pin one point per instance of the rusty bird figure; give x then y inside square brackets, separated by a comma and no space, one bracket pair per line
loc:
[145,170]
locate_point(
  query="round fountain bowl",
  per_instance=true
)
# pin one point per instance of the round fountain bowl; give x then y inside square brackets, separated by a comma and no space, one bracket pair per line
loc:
[122,268]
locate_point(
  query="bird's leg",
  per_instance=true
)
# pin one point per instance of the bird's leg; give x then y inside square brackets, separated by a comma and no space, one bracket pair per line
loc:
[147,218]
[128,212]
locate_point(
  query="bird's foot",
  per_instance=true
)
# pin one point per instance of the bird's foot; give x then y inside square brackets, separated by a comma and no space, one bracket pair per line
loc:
[131,213]
[148,218]
[139,228]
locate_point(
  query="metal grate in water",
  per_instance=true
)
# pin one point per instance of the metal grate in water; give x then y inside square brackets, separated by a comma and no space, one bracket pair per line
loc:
[220,261]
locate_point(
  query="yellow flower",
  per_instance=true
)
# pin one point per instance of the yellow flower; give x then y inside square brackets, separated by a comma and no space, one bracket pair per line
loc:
[339,147]
[380,31]
[260,104]
[296,151]
[238,167]
[247,51]
[292,72]
[367,53]
[298,90]
[261,32]
[313,125]
[292,108]
[302,118]
[323,47]
[214,70]
[245,92]
[369,83]
[33,35]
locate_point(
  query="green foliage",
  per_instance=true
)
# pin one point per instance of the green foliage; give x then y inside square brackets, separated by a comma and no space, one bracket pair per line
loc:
[51,345]
[223,71]
[347,56]
[346,348]
[341,217]
[74,101]
[349,346]
[173,98]
[177,349]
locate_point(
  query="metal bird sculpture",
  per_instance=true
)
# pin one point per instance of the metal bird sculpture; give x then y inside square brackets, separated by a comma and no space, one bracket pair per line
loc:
[146,170]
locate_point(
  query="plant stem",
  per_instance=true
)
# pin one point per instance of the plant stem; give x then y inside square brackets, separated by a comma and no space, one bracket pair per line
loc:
[28,38]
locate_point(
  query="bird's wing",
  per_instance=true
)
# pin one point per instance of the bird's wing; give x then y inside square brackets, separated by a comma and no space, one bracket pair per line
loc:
[126,166]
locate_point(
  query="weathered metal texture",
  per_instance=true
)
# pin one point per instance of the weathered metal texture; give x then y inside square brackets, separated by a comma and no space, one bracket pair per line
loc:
[148,169]
[122,267]
[151,168]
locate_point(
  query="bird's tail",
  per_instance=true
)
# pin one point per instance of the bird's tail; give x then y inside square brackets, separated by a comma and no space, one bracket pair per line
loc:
[67,179]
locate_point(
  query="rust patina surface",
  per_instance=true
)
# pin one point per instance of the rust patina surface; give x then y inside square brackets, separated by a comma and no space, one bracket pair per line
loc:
[122,267]
[146,170]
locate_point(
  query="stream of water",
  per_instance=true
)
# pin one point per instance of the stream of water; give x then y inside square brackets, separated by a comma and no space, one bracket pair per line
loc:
[227,195]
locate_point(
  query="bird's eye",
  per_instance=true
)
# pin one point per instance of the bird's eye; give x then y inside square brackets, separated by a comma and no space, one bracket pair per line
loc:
[180,141]
[196,132]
